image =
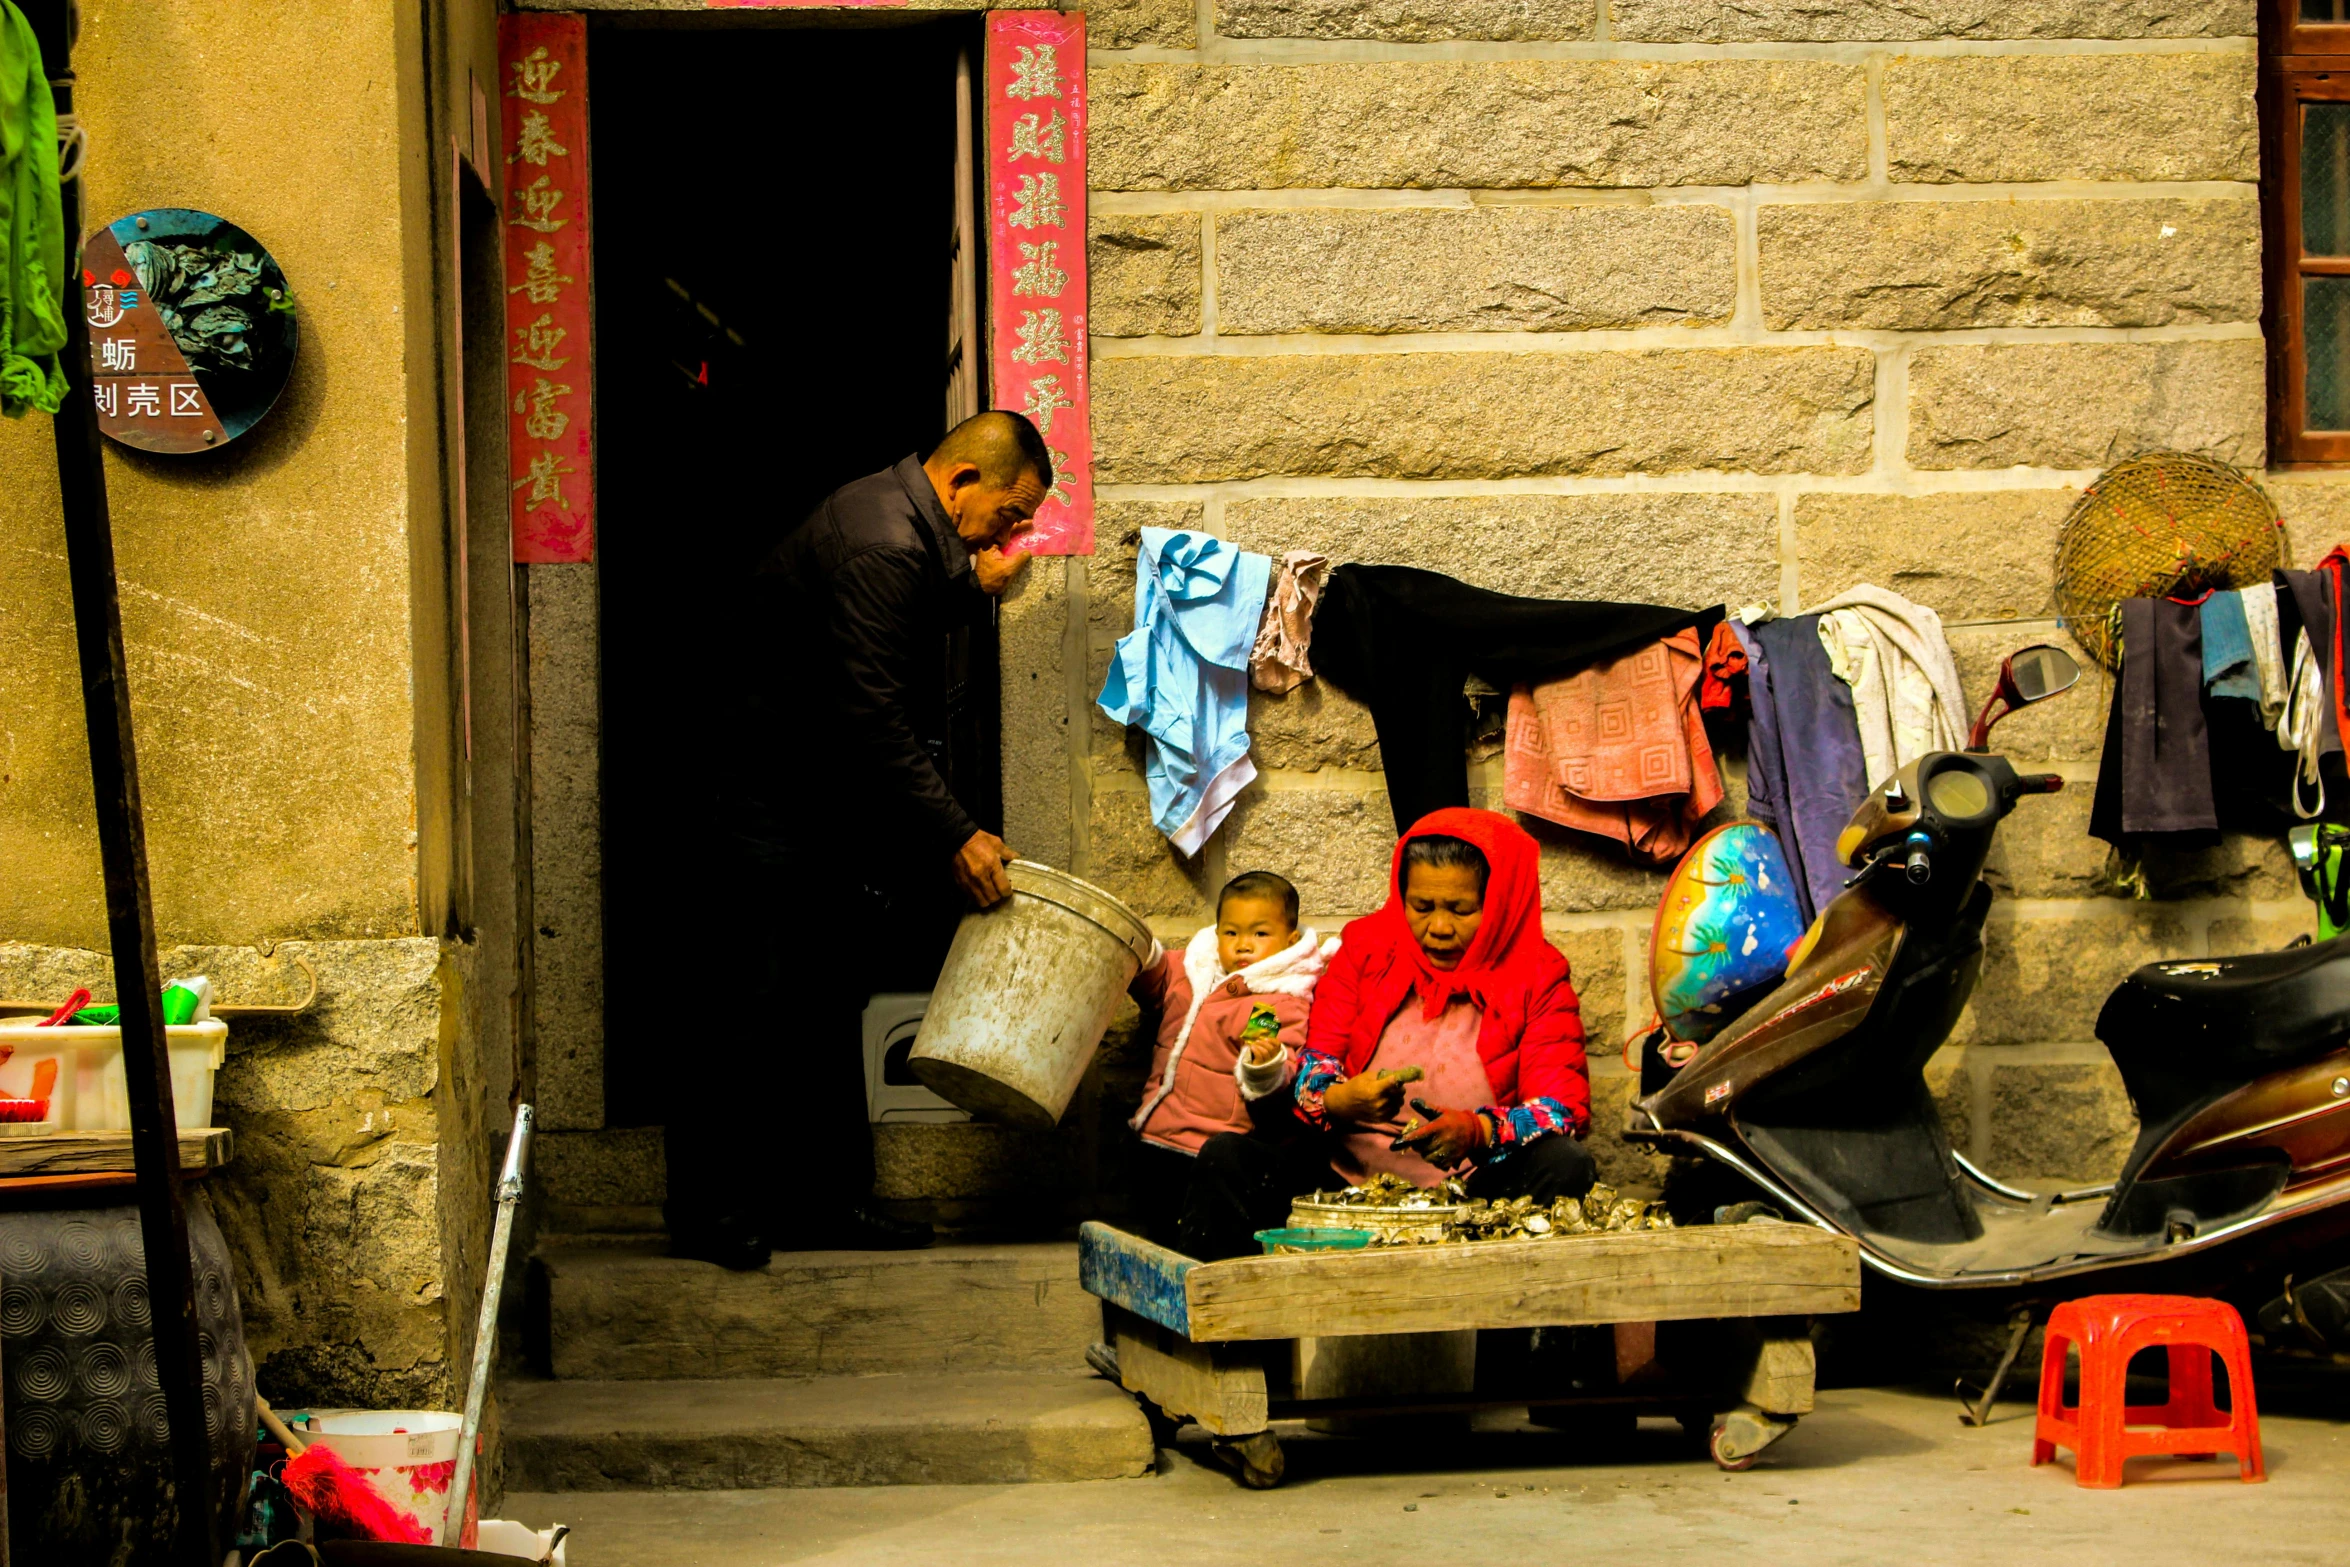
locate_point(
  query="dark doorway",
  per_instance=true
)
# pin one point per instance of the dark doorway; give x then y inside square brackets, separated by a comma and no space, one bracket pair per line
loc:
[773,212]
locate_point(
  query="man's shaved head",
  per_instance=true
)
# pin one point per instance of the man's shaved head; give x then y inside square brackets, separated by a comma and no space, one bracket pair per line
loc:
[1003,445]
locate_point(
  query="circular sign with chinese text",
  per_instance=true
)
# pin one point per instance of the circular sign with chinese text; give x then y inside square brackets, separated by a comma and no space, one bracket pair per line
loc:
[192,330]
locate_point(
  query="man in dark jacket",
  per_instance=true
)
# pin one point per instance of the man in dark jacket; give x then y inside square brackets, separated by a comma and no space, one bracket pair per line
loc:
[859,852]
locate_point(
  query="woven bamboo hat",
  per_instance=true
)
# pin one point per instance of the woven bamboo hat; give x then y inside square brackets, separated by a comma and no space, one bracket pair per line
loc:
[2159,525]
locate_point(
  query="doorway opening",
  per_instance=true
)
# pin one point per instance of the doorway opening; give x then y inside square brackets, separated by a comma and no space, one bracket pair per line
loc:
[774,217]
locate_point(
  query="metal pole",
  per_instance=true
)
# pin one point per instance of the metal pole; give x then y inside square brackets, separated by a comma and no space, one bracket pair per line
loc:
[485,1333]
[122,852]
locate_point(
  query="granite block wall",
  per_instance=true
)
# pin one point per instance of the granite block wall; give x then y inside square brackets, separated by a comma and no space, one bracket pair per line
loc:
[1675,301]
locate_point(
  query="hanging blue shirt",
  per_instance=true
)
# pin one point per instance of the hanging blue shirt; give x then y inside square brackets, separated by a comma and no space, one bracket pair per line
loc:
[2228,669]
[1182,675]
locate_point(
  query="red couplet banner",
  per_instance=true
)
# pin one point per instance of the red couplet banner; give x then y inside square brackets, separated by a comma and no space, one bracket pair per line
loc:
[1035,127]
[550,379]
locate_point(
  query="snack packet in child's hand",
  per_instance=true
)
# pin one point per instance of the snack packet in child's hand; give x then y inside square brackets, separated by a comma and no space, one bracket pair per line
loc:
[1261,1033]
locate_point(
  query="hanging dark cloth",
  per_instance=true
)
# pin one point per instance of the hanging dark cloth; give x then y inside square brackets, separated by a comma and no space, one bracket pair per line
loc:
[2155,773]
[1805,772]
[2182,760]
[1403,641]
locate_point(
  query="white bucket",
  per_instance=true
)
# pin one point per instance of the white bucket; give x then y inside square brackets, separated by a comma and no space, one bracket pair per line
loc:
[504,1537]
[1028,991]
[408,1455]
[101,1099]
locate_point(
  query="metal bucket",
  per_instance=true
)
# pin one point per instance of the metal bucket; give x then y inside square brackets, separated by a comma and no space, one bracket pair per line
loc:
[1028,991]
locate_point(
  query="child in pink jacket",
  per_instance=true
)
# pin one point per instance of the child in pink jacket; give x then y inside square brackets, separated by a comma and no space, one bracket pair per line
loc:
[1252,963]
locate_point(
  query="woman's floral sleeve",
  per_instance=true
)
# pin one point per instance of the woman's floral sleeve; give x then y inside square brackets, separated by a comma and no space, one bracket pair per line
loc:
[1522,1124]
[1316,1072]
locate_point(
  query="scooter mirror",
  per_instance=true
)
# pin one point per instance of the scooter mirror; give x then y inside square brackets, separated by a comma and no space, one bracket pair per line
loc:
[2035,674]
[2028,675]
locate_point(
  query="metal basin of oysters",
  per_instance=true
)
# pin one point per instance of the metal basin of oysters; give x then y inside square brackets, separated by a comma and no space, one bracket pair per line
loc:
[1390,1207]
[1398,1213]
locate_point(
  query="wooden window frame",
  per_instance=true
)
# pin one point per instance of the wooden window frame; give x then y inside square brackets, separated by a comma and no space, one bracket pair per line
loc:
[2301,63]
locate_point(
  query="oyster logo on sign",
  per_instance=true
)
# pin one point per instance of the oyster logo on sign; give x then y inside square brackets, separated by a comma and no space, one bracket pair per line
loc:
[192,330]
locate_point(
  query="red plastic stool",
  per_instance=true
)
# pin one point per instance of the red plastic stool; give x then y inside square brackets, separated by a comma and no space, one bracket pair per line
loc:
[2110,1329]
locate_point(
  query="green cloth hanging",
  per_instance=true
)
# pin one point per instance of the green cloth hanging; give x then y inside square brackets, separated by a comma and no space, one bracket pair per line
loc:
[32,226]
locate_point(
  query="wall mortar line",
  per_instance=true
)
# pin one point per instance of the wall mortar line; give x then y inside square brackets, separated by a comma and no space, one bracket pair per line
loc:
[1077,668]
[1604,340]
[1790,576]
[1892,411]
[1220,50]
[1141,203]
[1912,481]
[1873,106]
[1746,316]
[1207,276]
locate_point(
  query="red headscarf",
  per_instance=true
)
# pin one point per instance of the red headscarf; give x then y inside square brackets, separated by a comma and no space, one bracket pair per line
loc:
[1532,1038]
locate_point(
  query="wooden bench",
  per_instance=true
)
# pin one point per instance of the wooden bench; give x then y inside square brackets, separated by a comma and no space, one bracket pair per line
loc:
[1219,1342]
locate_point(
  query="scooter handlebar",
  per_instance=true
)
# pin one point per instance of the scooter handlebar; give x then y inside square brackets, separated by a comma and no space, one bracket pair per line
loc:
[2038,783]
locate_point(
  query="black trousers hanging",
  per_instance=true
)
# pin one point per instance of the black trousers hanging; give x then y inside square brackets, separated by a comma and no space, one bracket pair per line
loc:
[1402,641]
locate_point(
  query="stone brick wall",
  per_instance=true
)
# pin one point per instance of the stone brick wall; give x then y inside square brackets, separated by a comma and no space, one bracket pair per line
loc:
[1682,302]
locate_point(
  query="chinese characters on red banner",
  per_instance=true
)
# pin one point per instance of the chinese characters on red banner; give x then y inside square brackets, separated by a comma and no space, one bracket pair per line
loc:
[549,372]
[1035,128]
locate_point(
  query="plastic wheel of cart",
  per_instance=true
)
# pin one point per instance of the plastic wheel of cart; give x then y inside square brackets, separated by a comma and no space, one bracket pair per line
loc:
[1713,1448]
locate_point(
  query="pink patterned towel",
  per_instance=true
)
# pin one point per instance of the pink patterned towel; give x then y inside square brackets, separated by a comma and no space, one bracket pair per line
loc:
[1617,749]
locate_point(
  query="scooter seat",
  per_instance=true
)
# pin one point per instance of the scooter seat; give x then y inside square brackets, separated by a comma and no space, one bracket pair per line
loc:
[2232,1017]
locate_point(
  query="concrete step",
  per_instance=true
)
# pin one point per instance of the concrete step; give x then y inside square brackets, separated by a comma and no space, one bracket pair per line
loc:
[966,1428]
[628,1312]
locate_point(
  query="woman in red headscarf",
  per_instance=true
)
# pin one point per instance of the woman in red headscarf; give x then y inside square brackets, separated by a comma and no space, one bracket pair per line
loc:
[1452,977]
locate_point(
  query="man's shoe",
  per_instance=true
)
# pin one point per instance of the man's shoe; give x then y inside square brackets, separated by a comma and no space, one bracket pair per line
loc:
[864,1228]
[729,1241]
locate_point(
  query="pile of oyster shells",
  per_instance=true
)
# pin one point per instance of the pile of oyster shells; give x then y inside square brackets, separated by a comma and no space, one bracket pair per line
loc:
[1393,1191]
[1599,1210]
[1520,1219]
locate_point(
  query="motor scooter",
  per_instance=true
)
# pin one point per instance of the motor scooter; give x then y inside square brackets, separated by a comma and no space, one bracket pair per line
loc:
[2238,1068]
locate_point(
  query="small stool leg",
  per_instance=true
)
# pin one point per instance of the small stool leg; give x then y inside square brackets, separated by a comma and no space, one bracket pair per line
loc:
[2103,1416]
[2053,1352]
[2190,1388]
[2243,1416]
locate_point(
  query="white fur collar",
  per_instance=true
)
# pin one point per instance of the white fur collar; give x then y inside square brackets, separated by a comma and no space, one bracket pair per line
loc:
[1291,972]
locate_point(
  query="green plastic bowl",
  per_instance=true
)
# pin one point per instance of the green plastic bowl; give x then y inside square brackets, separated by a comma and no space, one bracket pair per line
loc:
[1278,1241]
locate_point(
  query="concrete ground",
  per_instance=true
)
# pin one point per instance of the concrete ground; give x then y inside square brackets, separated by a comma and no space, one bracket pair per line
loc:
[1875,1476]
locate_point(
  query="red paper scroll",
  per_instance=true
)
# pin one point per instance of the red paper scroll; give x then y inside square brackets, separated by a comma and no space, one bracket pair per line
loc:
[550,379]
[1035,121]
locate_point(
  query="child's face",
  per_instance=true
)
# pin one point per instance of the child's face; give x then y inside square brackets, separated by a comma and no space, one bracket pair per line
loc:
[1444,904]
[1250,930]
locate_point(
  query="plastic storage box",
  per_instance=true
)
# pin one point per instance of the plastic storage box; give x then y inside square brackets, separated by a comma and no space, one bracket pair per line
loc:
[99,1100]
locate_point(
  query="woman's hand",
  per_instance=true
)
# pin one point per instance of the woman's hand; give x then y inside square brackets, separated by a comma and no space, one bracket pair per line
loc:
[1366,1097]
[1447,1138]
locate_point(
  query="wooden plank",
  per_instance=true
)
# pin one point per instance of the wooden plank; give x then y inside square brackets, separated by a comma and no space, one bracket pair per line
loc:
[99,1153]
[1746,1270]
[1126,1270]
[1222,1388]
